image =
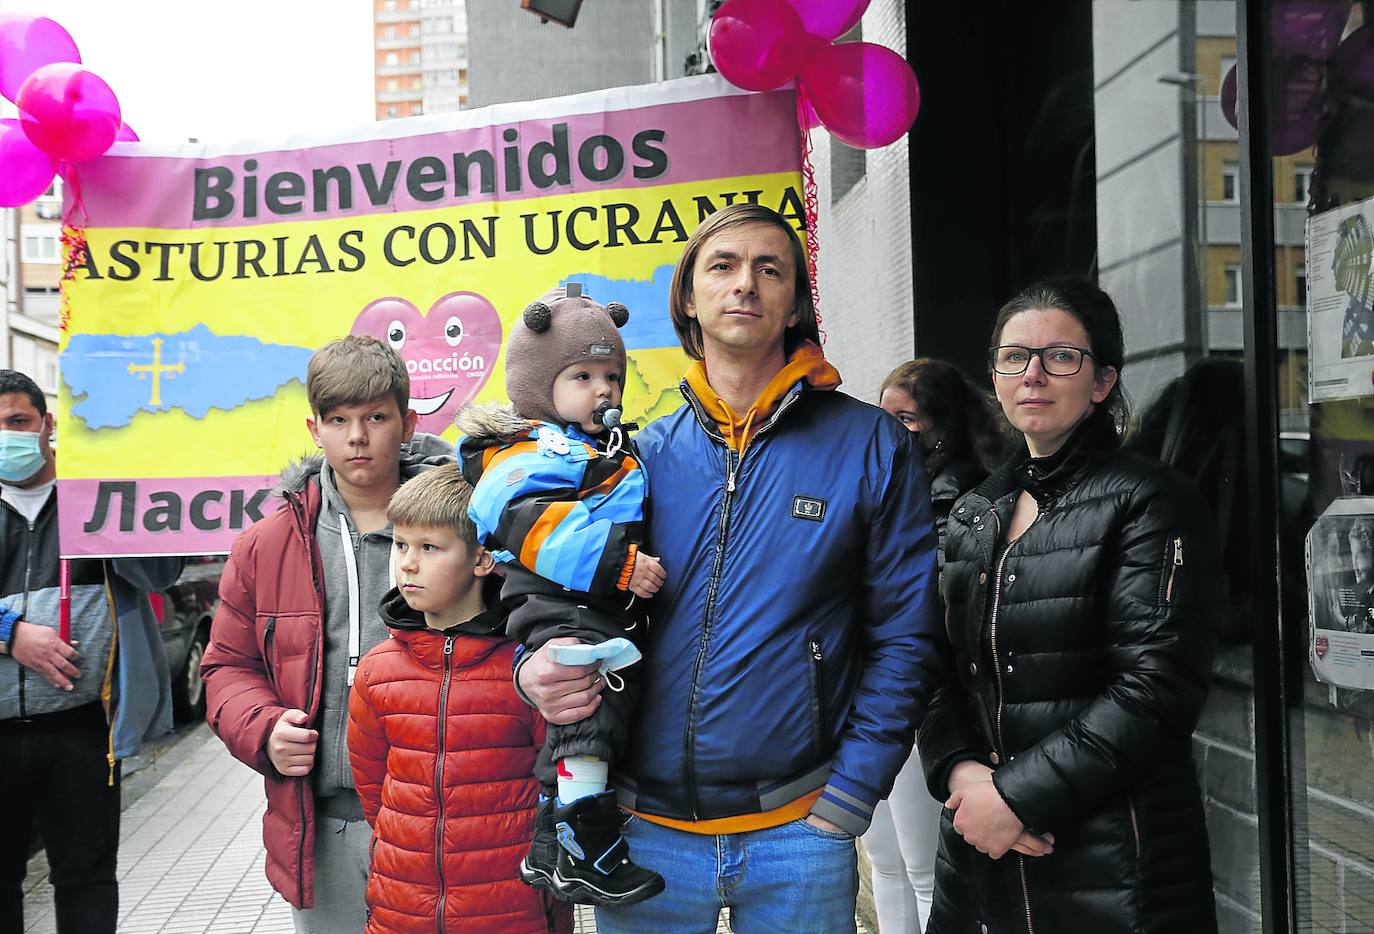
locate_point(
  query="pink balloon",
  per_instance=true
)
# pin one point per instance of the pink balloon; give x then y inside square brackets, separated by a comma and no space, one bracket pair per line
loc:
[1296,90]
[27,43]
[25,170]
[1311,28]
[755,44]
[1295,87]
[1354,62]
[1228,97]
[829,19]
[68,112]
[865,94]
[126,134]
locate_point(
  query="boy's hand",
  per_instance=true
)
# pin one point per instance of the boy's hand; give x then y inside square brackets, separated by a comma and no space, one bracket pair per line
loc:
[291,746]
[563,693]
[647,576]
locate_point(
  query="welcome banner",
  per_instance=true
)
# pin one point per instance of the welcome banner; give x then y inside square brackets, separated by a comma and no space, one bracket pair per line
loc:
[214,272]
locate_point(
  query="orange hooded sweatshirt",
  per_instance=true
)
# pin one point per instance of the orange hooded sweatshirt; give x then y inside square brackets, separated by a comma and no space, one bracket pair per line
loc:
[806,363]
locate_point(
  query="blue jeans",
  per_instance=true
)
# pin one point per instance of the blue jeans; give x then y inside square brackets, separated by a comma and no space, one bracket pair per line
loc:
[795,878]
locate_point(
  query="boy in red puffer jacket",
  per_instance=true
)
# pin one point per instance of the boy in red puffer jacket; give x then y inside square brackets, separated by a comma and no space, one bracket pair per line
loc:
[442,747]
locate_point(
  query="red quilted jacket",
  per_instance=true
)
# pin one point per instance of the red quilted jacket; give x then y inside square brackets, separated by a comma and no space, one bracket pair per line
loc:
[448,830]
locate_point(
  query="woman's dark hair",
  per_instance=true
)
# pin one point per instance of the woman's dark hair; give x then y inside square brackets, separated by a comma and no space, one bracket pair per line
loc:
[1095,310]
[961,415]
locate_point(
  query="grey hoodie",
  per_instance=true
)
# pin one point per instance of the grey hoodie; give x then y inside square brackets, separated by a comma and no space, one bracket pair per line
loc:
[333,776]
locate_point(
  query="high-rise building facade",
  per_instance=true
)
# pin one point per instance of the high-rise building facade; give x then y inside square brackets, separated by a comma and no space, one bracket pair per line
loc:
[515,57]
[33,274]
[420,57]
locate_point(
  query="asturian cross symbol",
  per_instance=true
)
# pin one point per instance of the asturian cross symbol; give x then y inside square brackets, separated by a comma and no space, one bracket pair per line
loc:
[156,368]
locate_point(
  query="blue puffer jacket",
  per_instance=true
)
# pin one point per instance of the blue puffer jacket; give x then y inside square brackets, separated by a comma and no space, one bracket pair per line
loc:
[792,646]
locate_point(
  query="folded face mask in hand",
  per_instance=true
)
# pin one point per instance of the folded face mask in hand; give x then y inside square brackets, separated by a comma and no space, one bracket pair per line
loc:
[611,655]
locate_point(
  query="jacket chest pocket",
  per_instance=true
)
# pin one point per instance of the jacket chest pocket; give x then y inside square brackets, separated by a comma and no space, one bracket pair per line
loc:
[268,647]
[1172,567]
[815,660]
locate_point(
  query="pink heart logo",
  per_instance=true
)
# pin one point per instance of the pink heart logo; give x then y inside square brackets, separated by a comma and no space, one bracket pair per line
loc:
[449,352]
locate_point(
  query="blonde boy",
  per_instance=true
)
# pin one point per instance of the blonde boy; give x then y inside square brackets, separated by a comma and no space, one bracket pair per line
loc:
[442,746]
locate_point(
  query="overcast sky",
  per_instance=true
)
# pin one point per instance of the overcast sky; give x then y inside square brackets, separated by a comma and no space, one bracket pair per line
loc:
[225,70]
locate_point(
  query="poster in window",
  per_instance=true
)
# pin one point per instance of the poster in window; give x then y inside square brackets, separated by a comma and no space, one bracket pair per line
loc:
[1340,587]
[1340,302]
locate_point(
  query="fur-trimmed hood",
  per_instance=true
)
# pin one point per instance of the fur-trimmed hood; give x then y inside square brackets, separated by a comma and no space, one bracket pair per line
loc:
[490,422]
[421,452]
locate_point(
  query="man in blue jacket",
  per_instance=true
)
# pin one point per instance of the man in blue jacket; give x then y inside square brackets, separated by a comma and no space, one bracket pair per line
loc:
[68,712]
[791,648]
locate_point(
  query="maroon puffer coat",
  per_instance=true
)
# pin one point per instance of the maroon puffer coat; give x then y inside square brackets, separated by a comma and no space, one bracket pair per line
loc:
[449,830]
[263,659]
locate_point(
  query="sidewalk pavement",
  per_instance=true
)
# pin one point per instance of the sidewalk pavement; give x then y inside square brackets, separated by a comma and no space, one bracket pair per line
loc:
[190,854]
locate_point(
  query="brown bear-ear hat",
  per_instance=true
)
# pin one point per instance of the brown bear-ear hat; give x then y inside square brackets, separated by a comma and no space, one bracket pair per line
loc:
[561,328]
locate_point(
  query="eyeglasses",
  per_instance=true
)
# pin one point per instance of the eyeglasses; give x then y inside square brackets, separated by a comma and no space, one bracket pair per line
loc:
[1013,359]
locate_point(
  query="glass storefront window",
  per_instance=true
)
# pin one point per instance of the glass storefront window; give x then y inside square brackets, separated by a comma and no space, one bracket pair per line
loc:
[1170,254]
[1323,132]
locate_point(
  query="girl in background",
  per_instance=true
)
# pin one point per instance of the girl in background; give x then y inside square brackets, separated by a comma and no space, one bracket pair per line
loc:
[962,441]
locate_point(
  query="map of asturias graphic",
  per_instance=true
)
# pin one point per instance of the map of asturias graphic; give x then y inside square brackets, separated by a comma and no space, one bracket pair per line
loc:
[655,362]
[649,324]
[113,377]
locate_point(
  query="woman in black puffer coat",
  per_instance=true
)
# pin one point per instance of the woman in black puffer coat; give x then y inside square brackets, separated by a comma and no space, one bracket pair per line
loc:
[1080,585]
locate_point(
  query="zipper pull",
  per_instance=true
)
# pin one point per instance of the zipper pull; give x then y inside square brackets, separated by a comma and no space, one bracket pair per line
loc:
[1178,552]
[816,650]
[730,478]
[448,645]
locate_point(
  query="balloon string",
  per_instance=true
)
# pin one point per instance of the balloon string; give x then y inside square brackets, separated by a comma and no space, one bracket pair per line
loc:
[74,183]
[73,240]
[811,202]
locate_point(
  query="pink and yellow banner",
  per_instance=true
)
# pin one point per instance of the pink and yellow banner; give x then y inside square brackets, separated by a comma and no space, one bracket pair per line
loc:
[214,273]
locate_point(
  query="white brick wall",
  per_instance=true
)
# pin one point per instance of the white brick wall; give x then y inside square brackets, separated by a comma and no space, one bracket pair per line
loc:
[865,248]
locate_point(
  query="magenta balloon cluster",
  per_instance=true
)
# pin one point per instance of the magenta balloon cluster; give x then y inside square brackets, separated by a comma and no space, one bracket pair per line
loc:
[865,94]
[1310,61]
[67,114]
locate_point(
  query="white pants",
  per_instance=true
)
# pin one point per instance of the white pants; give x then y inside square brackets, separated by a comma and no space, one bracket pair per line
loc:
[901,845]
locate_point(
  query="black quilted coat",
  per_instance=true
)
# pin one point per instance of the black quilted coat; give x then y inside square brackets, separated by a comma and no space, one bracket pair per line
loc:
[1078,662]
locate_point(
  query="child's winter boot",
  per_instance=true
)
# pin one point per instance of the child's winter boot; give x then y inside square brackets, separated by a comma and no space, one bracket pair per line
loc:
[594,864]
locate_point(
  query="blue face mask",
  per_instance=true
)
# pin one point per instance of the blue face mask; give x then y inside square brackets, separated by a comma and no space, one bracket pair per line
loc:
[611,655]
[20,455]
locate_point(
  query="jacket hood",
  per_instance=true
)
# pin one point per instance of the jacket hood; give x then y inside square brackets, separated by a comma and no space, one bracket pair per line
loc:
[807,365]
[400,618]
[421,451]
[493,421]
[299,473]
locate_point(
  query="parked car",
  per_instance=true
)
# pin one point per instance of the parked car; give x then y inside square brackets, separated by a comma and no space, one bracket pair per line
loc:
[183,613]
